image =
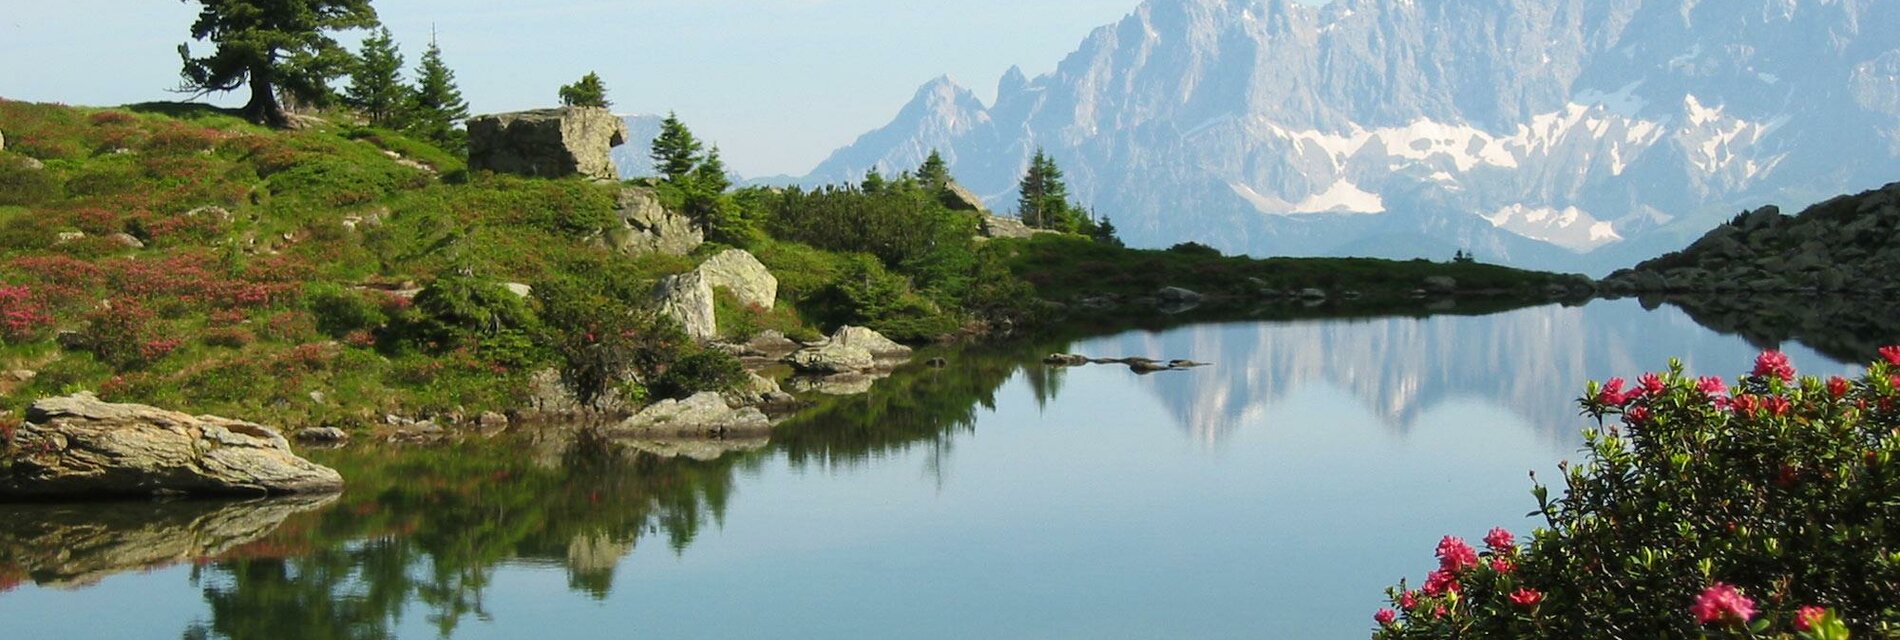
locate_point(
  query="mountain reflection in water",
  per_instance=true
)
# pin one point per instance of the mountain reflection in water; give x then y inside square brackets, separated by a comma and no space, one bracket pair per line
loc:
[433,531]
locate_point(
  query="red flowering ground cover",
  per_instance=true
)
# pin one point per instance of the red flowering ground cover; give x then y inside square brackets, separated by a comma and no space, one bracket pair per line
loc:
[1762,509]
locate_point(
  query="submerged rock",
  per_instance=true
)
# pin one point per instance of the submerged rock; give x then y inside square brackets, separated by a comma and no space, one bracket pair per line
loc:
[81,447]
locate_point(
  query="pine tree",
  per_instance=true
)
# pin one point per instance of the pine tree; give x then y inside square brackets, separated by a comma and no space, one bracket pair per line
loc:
[1104,232]
[437,105]
[273,46]
[710,176]
[1043,200]
[874,181]
[675,151]
[934,174]
[588,92]
[376,88]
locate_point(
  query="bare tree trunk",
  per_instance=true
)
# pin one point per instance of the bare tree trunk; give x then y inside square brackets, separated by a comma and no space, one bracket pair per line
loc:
[263,108]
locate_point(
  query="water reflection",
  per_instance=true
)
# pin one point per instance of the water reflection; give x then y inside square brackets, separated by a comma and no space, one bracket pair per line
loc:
[437,530]
[1532,362]
[77,545]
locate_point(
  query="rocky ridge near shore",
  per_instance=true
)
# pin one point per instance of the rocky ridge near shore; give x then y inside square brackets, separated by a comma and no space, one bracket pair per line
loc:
[1850,244]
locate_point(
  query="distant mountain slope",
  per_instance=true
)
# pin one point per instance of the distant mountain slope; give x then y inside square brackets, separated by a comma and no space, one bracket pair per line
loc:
[631,157]
[1548,133]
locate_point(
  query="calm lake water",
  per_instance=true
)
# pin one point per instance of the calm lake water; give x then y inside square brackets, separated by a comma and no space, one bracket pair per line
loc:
[1274,494]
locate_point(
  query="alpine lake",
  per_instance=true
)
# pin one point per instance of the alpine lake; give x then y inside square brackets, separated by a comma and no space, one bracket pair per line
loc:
[1275,493]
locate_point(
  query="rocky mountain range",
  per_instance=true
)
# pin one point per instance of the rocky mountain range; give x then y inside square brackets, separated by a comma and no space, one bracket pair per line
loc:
[1570,134]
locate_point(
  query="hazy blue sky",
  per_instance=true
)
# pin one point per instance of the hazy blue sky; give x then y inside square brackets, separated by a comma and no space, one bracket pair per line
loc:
[777,84]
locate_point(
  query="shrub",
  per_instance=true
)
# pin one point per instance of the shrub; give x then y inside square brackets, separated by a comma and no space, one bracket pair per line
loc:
[23,316]
[706,370]
[1705,512]
[126,335]
[1194,249]
[23,185]
[457,310]
[340,311]
[601,343]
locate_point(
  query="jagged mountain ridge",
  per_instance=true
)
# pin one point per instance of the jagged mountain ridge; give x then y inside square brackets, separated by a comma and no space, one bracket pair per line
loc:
[1547,133]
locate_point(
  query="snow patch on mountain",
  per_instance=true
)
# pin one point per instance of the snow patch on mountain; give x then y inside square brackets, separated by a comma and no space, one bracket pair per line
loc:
[1568,227]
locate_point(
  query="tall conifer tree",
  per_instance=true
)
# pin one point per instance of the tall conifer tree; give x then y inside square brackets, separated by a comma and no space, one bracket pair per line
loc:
[675,151]
[437,105]
[376,88]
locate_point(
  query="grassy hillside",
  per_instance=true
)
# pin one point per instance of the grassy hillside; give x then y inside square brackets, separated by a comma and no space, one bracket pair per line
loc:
[176,255]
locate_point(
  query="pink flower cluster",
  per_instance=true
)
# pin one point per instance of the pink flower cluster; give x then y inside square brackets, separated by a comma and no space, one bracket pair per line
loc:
[1724,604]
[1774,364]
[1456,556]
[1500,540]
[1891,354]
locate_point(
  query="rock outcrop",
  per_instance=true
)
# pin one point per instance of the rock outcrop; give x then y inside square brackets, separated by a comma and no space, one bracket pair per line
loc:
[737,271]
[960,198]
[647,227]
[1000,227]
[688,298]
[81,447]
[549,143]
[705,415]
[849,350]
[832,357]
[1848,244]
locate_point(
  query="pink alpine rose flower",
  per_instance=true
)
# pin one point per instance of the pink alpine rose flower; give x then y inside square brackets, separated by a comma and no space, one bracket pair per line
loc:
[1503,566]
[1385,617]
[1891,354]
[1527,597]
[1500,539]
[1722,603]
[1612,393]
[1774,364]
[1837,386]
[1652,384]
[1807,617]
[1454,555]
[1409,600]
[1440,582]
[1711,386]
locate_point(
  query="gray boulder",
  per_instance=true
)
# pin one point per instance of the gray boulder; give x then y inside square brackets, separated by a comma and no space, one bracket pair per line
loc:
[549,143]
[999,227]
[705,415]
[960,198]
[737,271]
[758,391]
[1178,295]
[647,227]
[326,436]
[832,357]
[688,298]
[81,447]
[871,341]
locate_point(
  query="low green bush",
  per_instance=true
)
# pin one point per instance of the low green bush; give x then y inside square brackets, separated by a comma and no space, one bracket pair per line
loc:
[1763,510]
[341,311]
[700,371]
